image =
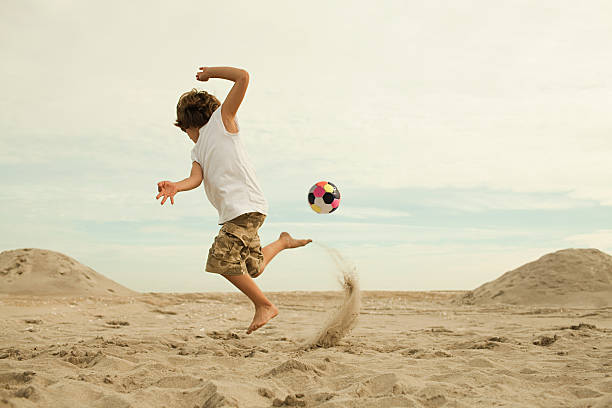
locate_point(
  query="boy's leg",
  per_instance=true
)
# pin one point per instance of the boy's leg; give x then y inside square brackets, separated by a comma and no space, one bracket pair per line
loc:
[284,241]
[264,309]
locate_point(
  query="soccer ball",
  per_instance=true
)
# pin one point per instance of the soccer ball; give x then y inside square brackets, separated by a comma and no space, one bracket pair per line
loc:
[324,197]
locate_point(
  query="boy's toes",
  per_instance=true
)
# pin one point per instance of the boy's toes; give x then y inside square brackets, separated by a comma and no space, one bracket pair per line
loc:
[262,316]
[253,327]
[291,242]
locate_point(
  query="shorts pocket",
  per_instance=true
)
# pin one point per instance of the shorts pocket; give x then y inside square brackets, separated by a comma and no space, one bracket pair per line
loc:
[227,247]
[225,256]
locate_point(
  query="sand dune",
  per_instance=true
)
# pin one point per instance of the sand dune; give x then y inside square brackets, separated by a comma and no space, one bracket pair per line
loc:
[570,277]
[42,272]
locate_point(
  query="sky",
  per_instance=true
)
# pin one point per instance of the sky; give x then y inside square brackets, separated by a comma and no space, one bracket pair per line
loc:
[466,138]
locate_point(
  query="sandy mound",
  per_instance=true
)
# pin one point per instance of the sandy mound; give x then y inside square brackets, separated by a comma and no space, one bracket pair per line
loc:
[570,277]
[41,272]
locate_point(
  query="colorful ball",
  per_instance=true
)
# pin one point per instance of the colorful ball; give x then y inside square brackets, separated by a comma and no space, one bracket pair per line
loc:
[324,197]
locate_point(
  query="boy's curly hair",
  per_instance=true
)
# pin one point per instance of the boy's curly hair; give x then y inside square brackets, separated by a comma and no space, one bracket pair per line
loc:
[194,109]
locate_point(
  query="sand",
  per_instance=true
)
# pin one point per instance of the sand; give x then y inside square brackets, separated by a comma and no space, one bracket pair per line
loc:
[344,317]
[405,349]
[32,271]
[408,349]
[570,277]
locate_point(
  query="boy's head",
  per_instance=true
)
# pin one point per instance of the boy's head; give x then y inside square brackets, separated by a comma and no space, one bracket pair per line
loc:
[194,109]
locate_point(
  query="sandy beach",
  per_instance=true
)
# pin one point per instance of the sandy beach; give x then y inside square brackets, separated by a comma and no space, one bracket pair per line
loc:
[407,349]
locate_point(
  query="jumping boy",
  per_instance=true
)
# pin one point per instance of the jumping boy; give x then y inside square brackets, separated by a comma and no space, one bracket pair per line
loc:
[219,159]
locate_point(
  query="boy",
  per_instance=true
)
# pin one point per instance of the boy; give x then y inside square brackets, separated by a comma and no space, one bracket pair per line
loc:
[220,161]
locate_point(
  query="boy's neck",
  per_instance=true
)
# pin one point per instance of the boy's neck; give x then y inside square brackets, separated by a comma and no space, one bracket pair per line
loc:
[193,133]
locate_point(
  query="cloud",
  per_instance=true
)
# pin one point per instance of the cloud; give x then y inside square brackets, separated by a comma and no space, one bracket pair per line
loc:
[401,267]
[600,239]
[475,200]
[346,234]
[370,212]
[466,128]
[520,122]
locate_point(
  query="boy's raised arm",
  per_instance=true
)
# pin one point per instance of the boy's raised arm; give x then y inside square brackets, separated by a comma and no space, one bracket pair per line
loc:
[236,94]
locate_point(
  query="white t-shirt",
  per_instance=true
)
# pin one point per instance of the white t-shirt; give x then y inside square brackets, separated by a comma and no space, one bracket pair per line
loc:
[229,178]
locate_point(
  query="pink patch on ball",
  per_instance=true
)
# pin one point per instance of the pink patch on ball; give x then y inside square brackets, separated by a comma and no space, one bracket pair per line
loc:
[321,183]
[318,192]
[335,203]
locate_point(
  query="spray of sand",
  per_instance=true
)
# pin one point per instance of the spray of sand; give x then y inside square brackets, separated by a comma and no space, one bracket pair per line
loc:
[343,319]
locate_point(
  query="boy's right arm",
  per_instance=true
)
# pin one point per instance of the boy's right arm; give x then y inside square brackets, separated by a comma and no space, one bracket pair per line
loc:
[234,98]
[168,189]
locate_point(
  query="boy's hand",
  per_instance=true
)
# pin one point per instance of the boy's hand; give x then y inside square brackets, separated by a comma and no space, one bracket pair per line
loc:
[203,75]
[167,189]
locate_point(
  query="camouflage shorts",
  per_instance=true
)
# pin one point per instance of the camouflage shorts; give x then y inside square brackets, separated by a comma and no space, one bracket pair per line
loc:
[237,249]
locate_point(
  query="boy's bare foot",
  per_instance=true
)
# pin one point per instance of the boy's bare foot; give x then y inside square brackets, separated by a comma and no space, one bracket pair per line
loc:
[263,315]
[291,242]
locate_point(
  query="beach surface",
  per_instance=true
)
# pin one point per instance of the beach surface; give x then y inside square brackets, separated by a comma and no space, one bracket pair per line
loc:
[538,336]
[408,349]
